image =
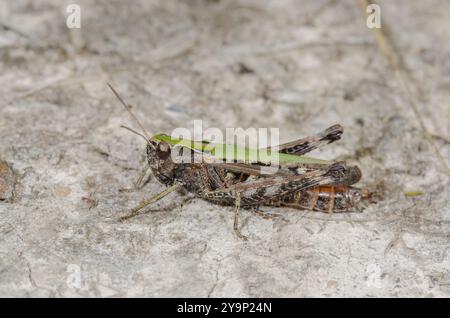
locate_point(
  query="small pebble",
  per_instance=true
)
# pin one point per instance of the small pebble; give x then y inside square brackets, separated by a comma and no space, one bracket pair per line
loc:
[6,181]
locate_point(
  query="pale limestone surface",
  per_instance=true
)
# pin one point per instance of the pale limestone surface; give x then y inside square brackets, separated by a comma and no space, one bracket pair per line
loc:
[296,65]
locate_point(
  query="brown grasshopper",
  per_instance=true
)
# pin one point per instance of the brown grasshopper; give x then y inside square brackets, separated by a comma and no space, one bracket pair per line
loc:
[320,187]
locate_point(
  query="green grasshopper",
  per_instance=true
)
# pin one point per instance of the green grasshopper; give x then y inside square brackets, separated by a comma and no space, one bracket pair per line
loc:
[237,176]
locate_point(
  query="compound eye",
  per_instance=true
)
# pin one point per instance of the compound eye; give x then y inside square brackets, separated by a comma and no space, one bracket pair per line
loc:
[163,150]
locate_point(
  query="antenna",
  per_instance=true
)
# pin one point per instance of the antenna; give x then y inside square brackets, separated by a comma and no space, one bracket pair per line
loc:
[146,135]
[134,132]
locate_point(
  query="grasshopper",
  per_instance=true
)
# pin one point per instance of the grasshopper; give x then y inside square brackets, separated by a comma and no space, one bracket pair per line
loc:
[296,181]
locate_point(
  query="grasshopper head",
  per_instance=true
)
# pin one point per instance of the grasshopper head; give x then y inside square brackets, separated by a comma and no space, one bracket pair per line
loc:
[160,161]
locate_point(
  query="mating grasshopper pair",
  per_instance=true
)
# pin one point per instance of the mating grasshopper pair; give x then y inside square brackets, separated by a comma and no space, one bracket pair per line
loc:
[296,181]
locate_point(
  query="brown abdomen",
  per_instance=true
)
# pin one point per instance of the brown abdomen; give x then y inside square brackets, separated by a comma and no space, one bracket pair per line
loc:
[324,199]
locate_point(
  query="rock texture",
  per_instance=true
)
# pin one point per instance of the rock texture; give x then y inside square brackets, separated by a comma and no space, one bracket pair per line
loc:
[296,65]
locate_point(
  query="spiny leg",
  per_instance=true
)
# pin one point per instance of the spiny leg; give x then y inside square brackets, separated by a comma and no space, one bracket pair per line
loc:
[154,199]
[236,218]
[271,188]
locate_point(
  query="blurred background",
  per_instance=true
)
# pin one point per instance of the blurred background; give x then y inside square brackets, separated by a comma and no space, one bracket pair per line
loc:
[299,66]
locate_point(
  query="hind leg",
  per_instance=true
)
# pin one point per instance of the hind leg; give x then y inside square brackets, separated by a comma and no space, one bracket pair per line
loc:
[236,218]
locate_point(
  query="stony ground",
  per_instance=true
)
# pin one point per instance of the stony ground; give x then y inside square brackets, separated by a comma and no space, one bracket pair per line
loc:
[296,65]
